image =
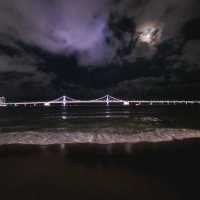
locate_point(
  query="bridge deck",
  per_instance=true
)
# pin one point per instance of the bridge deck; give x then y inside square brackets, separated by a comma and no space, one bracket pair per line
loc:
[46,103]
[64,100]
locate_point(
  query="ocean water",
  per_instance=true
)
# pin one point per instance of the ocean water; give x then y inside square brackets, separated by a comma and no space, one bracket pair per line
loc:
[89,118]
[37,172]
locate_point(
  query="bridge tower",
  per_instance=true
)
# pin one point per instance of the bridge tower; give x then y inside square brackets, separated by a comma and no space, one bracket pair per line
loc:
[107,100]
[64,101]
[2,101]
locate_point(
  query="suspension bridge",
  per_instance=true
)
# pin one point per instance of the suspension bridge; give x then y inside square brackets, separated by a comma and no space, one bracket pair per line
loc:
[105,100]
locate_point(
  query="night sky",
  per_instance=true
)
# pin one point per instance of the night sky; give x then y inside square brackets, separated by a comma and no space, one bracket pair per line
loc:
[87,48]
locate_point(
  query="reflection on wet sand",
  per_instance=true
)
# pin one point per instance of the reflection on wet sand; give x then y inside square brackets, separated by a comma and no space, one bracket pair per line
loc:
[99,172]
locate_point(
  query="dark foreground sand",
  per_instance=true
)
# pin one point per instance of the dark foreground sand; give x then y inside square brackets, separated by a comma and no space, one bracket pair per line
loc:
[149,171]
[161,164]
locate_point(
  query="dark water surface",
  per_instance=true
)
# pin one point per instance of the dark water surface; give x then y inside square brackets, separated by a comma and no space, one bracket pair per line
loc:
[87,118]
[41,172]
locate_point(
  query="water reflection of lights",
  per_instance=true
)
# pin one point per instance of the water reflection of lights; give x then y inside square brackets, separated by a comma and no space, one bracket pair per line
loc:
[109,148]
[64,117]
[64,113]
[62,147]
[128,148]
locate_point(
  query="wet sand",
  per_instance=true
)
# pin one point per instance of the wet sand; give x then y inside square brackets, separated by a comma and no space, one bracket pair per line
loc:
[164,170]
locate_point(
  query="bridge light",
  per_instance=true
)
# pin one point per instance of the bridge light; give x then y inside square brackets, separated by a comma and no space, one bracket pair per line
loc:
[3,102]
[47,104]
[126,103]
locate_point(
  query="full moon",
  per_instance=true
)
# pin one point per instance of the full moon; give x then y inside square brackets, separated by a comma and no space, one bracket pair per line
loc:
[150,34]
[147,34]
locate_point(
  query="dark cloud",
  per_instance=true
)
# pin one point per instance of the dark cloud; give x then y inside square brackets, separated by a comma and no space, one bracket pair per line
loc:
[191,54]
[58,26]
[116,46]
[191,30]
[20,73]
[76,26]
